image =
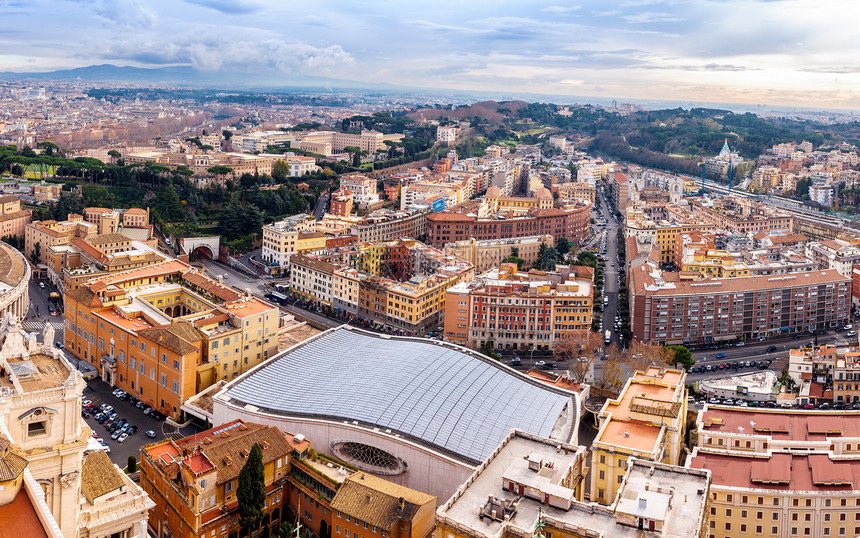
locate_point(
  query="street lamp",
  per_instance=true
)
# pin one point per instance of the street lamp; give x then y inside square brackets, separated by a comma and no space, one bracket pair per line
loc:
[532,357]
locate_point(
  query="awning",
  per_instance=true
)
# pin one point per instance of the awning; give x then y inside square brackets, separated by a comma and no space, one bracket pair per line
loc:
[725,338]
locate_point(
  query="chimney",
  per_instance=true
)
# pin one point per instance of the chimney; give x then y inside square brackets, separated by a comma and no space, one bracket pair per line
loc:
[401,501]
[642,501]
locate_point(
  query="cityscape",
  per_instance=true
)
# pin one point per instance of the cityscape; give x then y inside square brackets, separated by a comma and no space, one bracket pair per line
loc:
[582,270]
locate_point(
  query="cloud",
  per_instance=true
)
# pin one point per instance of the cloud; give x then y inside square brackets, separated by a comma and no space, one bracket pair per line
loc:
[228,7]
[652,16]
[610,13]
[831,69]
[124,13]
[560,9]
[223,53]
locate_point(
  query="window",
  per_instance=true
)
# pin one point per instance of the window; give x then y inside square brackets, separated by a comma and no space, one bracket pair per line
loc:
[164,358]
[601,475]
[228,487]
[743,514]
[36,428]
[143,346]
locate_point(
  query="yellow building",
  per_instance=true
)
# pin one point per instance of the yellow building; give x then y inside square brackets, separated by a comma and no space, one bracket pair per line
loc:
[780,473]
[646,421]
[310,241]
[40,235]
[577,191]
[715,263]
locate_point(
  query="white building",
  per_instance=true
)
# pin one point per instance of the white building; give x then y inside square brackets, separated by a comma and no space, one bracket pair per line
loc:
[447,134]
[363,189]
[822,194]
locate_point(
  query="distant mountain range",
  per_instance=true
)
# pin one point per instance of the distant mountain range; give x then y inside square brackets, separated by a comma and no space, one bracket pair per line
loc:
[181,75]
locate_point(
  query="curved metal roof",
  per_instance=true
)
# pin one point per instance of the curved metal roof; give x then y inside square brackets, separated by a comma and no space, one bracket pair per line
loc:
[435,393]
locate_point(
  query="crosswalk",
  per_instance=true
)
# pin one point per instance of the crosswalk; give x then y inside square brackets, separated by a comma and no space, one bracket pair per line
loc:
[38,325]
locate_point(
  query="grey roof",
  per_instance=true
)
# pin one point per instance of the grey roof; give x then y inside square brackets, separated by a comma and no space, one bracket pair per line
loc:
[432,392]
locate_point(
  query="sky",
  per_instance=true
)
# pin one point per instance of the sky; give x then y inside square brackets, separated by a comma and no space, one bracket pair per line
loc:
[775,52]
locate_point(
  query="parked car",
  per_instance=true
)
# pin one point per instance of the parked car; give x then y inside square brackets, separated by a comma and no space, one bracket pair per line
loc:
[851,334]
[150,434]
[122,437]
[59,345]
[824,405]
[808,406]
[740,344]
[115,434]
[516,361]
[542,365]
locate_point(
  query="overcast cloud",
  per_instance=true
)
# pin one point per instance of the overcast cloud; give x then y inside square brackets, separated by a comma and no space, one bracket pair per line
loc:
[797,51]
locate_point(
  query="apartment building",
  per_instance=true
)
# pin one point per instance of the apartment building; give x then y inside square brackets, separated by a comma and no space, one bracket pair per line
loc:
[47,192]
[489,253]
[194,481]
[517,310]
[363,189]
[646,421]
[341,202]
[837,254]
[785,473]
[389,225]
[619,189]
[40,235]
[739,216]
[571,222]
[577,191]
[400,284]
[531,486]
[115,220]
[669,308]
[163,332]
[13,219]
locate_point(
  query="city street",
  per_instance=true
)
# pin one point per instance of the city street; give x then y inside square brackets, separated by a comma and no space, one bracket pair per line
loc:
[610,275]
[100,392]
[41,303]
[234,278]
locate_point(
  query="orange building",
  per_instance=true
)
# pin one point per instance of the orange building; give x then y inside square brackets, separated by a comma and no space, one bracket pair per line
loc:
[193,481]
[163,332]
[341,203]
[13,219]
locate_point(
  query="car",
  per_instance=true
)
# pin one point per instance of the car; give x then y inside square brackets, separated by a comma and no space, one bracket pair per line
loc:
[150,434]
[42,285]
[851,334]
[85,402]
[108,409]
[824,405]
[140,405]
[728,401]
[132,430]
[786,405]
[115,434]
[771,349]
[713,400]
[855,405]
[122,437]
[59,345]
[770,405]
[148,410]
[516,361]
[107,447]
[742,403]
[125,427]
[839,405]
[808,406]
[763,365]
[84,414]
[848,327]
[721,366]
[542,365]
[753,404]
[740,344]
[721,355]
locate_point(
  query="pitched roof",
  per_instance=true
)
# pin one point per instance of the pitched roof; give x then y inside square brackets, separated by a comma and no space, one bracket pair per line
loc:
[99,476]
[227,446]
[9,198]
[84,296]
[101,239]
[210,286]
[170,339]
[377,501]
[11,466]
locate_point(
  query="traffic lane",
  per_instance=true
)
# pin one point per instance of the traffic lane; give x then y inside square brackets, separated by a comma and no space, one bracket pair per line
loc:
[724,374]
[40,300]
[783,345]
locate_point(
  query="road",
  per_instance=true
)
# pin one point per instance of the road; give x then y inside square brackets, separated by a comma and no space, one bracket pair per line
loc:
[322,203]
[234,278]
[610,275]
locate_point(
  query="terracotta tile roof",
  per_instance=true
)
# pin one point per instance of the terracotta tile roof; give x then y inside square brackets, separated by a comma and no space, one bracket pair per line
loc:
[84,296]
[170,339]
[99,476]
[24,213]
[210,286]
[227,446]
[9,198]
[11,466]
[377,501]
[102,239]
[135,211]
[211,320]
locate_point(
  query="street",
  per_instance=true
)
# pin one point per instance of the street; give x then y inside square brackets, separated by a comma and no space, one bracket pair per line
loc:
[233,278]
[100,392]
[610,275]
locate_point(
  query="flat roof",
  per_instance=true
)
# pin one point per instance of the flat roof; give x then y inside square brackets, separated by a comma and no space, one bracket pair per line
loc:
[783,424]
[437,393]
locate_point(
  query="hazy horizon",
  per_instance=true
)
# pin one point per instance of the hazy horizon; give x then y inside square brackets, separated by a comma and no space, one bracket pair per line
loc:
[785,53]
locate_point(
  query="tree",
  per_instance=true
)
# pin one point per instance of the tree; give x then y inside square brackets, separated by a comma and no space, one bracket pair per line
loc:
[562,246]
[114,155]
[586,257]
[580,348]
[613,370]
[219,170]
[547,258]
[643,355]
[227,134]
[251,492]
[287,529]
[132,464]
[514,259]
[681,355]
[280,171]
